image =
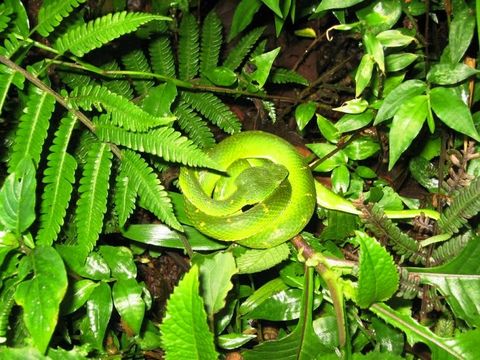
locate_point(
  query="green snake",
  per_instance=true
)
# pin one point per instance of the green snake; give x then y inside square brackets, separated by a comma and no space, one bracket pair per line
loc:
[266,195]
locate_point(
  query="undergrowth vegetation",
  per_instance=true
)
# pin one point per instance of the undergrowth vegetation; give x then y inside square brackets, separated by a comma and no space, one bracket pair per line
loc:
[100,106]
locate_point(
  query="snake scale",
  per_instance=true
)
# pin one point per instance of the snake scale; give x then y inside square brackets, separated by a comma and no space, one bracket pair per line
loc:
[266,196]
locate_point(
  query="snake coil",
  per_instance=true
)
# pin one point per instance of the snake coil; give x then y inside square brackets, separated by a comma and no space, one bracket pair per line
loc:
[266,196]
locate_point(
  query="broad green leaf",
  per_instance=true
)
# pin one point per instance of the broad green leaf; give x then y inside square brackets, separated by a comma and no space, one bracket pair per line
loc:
[17,198]
[302,343]
[185,333]
[378,277]
[304,113]
[389,339]
[162,235]
[263,64]
[216,271]
[460,33]
[127,298]
[449,74]
[274,5]
[397,62]
[94,267]
[78,293]
[340,179]
[362,148]
[233,340]
[24,353]
[462,346]
[352,122]
[323,149]
[255,260]
[221,76]
[328,130]
[394,38]
[380,15]
[243,16]
[261,294]
[406,125]
[397,97]
[333,4]
[354,106]
[8,242]
[363,74]
[453,111]
[40,296]
[99,310]
[365,172]
[375,49]
[120,261]
[159,99]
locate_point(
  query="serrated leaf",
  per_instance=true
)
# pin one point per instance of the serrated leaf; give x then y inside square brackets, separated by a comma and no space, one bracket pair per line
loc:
[40,296]
[188,47]
[237,55]
[127,298]
[52,12]
[255,260]
[17,198]
[92,204]
[135,60]
[99,310]
[161,56]
[216,271]
[397,97]
[378,277]
[84,38]
[449,74]
[125,196]
[185,333]
[211,43]
[453,111]
[284,76]
[194,126]
[406,125]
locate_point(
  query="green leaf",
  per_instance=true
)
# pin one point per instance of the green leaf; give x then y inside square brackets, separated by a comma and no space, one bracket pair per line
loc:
[363,74]
[78,293]
[256,260]
[378,277]
[233,340]
[453,111]
[188,47]
[17,198]
[82,39]
[328,130]
[362,148]
[221,76]
[40,296]
[333,4]
[323,149]
[211,43]
[460,33]
[302,343]
[406,125]
[25,353]
[352,122]
[237,55]
[92,266]
[216,271]
[448,74]
[283,76]
[375,49]
[127,298]
[397,97]
[262,294]
[397,62]
[380,15]
[194,126]
[354,106]
[92,204]
[304,113]
[243,16]
[135,60]
[125,195]
[394,38]
[99,310]
[274,5]
[120,261]
[52,13]
[340,179]
[185,333]
[263,63]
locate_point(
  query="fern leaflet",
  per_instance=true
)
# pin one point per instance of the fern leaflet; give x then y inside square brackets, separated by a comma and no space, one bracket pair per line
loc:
[58,179]
[211,42]
[194,126]
[214,110]
[164,142]
[188,47]
[84,38]
[4,16]
[152,194]
[92,204]
[465,205]
[136,60]
[450,249]
[125,195]
[52,13]
[7,78]
[123,112]
[33,126]
[116,84]
[243,47]
[161,56]
[283,76]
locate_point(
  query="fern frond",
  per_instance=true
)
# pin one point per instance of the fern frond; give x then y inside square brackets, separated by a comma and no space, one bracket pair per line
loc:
[161,56]
[194,126]
[284,76]
[243,47]
[214,110]
[465,205]
[116,84]
[58,179]
[10,46]
[259,49]
[52,13]
[136,60]
[211,42]
[375,220]
[269,107]
[96,33]
[450,249]
[125,196]
[188,47]
[33,126]
[74,79]
[153,196]
[164,142]
[92,204]
[5,13]
[409,285]
[7,301]
[123,112]
[7,78]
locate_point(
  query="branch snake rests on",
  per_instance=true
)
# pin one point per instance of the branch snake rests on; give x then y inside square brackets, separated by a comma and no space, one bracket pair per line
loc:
[267,195]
